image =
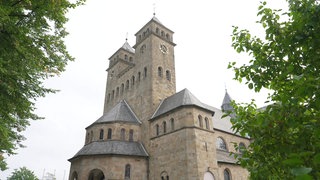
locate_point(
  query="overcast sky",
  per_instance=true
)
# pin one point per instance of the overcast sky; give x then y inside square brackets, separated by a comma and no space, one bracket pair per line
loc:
[98,29]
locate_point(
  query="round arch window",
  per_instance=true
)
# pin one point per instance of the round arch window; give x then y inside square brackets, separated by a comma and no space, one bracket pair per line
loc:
[221,144]
[226,174]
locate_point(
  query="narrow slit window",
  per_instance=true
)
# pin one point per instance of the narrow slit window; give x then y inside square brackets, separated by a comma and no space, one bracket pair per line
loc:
[101,134]
[109,133]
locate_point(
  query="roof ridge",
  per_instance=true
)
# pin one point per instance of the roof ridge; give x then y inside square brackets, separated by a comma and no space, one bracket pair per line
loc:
[121,112]
[134,114]
[181,98]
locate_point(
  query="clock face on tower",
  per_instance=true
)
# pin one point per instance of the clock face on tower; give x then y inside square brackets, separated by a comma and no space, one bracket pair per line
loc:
[163,49]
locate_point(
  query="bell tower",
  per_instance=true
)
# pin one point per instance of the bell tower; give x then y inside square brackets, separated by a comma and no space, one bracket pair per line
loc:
[155,51]
[145,74]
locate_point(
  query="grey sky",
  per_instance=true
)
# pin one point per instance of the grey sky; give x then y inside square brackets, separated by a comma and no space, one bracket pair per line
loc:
[202,34]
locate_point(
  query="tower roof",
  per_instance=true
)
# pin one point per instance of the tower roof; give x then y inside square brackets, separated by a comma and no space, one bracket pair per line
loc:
[227,99]
[182,98]
[121,112]
[127,47]
[226,103]
[156,19]
[112,147]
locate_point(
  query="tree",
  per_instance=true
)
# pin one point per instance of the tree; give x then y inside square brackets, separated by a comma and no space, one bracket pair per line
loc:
[285,133]
[23,174]
[31,50]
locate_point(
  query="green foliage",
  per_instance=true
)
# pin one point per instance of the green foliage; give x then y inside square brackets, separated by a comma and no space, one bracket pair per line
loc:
[31,50]
[23,174]
[286,134]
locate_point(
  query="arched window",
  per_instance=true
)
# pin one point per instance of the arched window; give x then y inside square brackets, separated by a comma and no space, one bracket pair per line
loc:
[101,134]
[168,75]
[145,72]
[226,174]
[157,130]
[207,123]
[164,175]
[160,71]
[132,80]
[162,33]
[167,36]
[130,59]
[109,133]
[139,76]
[91,137]
[108,99]
[88,138]
[139,37]
[157,30]
[117,92]
[127,85]
[164,124]
[221,144]
[200,121]
[142,48]
[127,172]
[242,147]
[172,124]
[126,57]
[95,174]
[74,176]
[122,134]
[131,135]
[112,97]
[122,88]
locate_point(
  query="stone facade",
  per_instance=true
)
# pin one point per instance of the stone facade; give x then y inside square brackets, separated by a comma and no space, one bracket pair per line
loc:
[148,131]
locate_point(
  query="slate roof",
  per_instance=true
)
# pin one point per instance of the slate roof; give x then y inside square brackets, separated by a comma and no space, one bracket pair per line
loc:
[182,98]
[121,112]
[220,123]
[226,103]
[225,157]
[127,47]
[112,147]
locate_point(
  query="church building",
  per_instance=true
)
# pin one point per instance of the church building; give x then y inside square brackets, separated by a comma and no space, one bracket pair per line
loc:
[148,131]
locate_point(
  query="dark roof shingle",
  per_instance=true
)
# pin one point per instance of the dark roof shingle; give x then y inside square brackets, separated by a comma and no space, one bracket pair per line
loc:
[112,147]
[121,112]
[182,98]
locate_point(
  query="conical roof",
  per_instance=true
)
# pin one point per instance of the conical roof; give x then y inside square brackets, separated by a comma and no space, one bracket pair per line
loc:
[182,98]
[226,103]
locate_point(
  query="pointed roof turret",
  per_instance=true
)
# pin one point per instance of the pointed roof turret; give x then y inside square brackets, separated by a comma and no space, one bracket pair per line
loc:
[127,47]
[226,103]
